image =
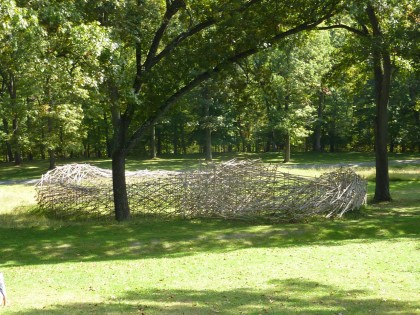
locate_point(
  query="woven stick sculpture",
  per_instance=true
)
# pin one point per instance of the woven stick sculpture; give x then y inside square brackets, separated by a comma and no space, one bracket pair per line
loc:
[246,189]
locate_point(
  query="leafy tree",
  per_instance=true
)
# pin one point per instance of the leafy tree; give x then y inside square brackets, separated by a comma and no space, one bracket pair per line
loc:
[404,108]
[173,47]
[375,22]
[18,34]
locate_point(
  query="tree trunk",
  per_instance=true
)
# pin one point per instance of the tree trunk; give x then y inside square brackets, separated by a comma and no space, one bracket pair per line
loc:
[122,209]
[183,140]
[51,156]
[332,140]
[121,206]
[318,123]
[209,155]
[382,76]
[51,151]
[10,156]
[107,138]
[9,152]
[287,148]
[287,139]
[15,123]
[416,114]
[153,151]
[207,140]
[159,142]
[176,140]
[42,146]
[16,142]
[120,124]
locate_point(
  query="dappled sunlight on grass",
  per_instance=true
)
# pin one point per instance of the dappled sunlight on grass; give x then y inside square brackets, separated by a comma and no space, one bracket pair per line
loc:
[289,296]
[108,240]
[363,263]
[352,279]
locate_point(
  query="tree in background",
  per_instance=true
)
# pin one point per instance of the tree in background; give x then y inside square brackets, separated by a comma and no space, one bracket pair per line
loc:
[19,34]
[374,23]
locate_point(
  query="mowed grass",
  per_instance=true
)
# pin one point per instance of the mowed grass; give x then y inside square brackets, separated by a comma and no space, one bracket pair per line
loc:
[366,263]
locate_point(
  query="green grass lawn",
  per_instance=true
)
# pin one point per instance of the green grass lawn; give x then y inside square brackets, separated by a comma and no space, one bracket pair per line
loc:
[366,263]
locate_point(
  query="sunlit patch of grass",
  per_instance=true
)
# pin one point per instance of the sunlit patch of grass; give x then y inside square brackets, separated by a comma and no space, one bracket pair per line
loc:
[16,196]
[396,173]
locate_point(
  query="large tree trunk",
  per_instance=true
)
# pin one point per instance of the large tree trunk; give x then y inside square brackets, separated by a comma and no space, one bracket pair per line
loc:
[120,125]
[51,159]
[122,209]
[121,206]
[382,76]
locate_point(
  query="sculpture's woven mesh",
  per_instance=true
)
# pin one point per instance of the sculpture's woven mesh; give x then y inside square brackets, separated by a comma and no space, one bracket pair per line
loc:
[236,189]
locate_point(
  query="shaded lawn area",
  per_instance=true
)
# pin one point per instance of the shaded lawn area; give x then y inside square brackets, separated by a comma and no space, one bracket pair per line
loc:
[214,267]
[366,263]
[93,241]
[361,265]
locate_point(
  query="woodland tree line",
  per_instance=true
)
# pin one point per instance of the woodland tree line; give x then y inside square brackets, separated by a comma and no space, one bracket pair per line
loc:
[151,77]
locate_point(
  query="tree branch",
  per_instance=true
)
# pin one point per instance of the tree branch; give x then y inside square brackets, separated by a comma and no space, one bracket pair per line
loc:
[194,30]
[346,27]
[180,38]
[171,100]
[172,7]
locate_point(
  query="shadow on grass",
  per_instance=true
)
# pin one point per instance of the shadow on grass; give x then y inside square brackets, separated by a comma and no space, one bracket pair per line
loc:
[290,296]
[102,241]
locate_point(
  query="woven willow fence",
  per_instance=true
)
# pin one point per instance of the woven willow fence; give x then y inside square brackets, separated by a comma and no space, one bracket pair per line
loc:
[245,189]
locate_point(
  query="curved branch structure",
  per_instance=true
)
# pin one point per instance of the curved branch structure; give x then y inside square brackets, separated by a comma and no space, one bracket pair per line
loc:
[235,189]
